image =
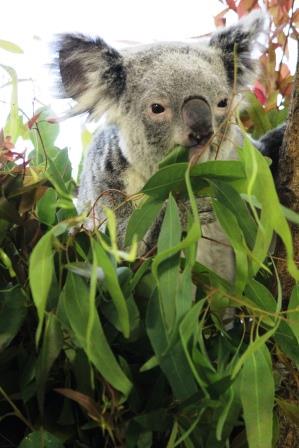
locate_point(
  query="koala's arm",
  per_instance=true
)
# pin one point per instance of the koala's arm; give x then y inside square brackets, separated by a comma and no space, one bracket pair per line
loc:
[101,182]
[270,145]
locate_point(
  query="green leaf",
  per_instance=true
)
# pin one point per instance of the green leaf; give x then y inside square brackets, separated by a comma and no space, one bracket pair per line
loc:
[219,169]
[46,207]
[12,125]
[231,199]
[260,184]
[293,312]
[140,273]
[141,219]
[228,406]
[277,116]
[13,312]
[171,358]
[51,347]
[185,291]
[56,179]
[43,134]
[173,435]
[154,420]
[261,296]
[114,288]
[287,342]
[168,178]
[188,329]
[177,155]
[257,397]
[193,234]
[170,233]
[6,261]
[253,346]
[10,46]
[75,301]
[191,428]
[231,227]
[9,212]
[149,364]
[290,215]
[41,268]
[168,270]
[63,164]
[40,439]
[84,270]
[258,115]
[263,299]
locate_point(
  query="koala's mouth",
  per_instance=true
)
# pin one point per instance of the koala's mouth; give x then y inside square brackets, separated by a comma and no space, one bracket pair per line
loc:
[197,151]
[201,144]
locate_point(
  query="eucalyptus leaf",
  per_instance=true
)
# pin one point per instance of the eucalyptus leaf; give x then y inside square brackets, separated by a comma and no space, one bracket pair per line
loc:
[51,347]
[38,439]
[171,358]
[257,397]
[10,46]
[46,207]
[168,270]
[103,260]
[41,268]
[13,312]
[75,301]
[167,179]
[141,219]
[261,185]
[231,227]
[43,134]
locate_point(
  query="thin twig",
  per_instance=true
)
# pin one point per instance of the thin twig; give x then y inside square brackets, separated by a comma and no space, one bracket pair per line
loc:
[18,413]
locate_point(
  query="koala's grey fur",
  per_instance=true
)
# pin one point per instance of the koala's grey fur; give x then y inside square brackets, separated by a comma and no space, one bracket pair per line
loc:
[124,86]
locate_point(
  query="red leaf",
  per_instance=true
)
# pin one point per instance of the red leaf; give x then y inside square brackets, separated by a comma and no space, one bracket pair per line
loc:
[220,20]
[260,92]
[245,6]
[53,120]
[284,72]
[33,120]
[8,143]
[231,4]
[84,400]
[295,18]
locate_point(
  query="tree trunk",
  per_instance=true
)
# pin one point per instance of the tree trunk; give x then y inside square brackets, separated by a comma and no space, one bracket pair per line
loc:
[288,190]
[288,182]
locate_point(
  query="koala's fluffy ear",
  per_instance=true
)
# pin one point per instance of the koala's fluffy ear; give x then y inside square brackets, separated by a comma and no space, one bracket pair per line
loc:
[237,43]
[91,72]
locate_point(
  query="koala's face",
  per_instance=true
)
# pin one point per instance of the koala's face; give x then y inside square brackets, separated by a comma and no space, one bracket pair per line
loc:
[164,94]
[182,94]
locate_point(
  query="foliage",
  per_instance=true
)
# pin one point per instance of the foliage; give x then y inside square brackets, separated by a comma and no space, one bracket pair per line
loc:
[101,348]
[272,91]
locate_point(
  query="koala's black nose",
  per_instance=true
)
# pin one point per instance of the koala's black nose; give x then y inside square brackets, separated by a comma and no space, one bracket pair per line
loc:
[197,116]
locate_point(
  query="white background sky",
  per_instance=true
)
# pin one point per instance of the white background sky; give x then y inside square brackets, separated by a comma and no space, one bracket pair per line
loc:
[32,23]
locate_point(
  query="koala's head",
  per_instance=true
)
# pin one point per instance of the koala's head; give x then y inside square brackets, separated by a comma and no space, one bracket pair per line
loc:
[160,95]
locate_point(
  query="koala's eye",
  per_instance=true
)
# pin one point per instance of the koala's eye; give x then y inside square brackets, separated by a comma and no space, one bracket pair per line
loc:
[157,108]
[223,103]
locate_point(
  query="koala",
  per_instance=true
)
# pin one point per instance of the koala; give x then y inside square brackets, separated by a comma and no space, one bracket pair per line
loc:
[154,97]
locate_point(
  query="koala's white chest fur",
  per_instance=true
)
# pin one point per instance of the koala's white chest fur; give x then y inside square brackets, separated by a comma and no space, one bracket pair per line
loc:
[214,251]
[133,180]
